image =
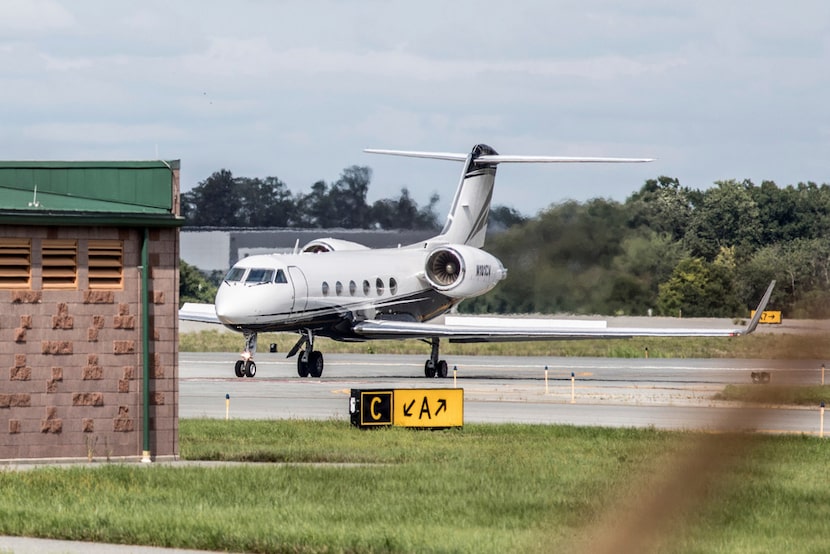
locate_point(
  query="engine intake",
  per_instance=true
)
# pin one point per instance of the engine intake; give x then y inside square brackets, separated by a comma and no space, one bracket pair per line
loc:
[460,270]
[444,268]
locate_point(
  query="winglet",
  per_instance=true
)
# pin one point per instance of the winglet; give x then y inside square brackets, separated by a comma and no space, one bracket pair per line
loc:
[762,305]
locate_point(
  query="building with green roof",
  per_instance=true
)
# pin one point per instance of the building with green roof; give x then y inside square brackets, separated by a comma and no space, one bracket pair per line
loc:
[89,309]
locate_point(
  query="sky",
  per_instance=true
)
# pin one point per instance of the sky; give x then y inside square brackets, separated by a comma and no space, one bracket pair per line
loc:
[714,90]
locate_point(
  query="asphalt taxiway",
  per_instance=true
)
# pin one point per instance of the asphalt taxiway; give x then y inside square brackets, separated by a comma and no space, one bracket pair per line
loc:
[660,393]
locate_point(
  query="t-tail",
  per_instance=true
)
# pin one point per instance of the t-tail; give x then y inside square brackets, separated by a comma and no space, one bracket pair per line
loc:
[467,220]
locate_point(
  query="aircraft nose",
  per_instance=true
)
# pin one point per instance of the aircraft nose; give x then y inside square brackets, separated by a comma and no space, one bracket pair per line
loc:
[230,307]
[246,305]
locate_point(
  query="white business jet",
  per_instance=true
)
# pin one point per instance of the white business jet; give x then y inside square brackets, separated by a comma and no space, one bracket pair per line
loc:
[349,292]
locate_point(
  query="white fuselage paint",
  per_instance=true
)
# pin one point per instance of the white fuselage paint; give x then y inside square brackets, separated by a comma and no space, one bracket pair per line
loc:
[321,290]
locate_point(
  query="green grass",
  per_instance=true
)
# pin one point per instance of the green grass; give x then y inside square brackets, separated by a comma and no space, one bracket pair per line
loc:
[775,394]
[483,488]
[756,346]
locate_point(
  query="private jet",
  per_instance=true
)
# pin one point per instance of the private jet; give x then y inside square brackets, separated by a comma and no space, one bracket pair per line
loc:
[348,292]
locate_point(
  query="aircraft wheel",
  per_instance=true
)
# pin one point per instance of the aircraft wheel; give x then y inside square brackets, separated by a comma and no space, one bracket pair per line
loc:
[315,363]
[302,364]
[441,370]
[239,369]
[429,369]
[250,368]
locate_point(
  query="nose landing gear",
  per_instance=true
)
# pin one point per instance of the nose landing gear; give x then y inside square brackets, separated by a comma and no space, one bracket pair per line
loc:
[246,366]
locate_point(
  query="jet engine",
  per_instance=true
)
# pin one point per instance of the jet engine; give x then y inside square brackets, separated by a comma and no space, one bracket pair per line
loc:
[461,271]
[330,245]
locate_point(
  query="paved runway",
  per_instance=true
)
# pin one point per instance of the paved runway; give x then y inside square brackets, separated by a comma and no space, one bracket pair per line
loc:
[667,394]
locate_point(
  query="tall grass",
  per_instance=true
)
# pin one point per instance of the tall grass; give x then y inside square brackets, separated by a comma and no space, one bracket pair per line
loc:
[756,346]
[477,489]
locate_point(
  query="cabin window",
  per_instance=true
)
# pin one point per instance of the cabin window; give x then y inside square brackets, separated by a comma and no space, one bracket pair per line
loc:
[325,288]
[393,286]
[352,287]
[379,286]
[259,276]
[366,288]
[235,274]
[280,278]
[338,288]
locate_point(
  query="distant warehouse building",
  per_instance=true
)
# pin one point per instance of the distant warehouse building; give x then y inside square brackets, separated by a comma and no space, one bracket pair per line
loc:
[88,309]
[217,249]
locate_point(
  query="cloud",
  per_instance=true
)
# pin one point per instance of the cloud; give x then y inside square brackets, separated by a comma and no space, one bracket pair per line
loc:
[22,17]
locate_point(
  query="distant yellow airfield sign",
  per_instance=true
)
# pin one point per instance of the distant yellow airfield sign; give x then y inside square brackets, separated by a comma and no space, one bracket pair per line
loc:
[417,408]
[768,316]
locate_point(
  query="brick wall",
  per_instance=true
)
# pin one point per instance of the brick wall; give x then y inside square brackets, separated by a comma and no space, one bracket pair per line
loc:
[70,360]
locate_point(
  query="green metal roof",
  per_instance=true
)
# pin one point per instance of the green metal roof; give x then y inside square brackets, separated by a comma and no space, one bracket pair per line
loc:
[123,193]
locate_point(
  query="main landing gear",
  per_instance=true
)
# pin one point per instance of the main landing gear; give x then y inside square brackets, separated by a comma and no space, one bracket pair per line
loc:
[309,361]
[433,366]
[246,366]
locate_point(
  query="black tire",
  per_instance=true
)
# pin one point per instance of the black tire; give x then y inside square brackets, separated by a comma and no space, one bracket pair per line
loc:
[239,368]
[442,369]
[315,364]
[250,368]
[429,369]
[302,364]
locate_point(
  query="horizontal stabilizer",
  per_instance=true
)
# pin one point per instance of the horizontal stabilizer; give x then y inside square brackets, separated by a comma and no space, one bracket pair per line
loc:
[502,158]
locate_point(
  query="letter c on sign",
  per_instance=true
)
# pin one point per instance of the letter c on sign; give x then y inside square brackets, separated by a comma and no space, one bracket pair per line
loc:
[375,415]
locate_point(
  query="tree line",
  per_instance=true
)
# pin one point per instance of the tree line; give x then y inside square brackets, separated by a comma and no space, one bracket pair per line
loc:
[671,250]
[223,200]
[667,249]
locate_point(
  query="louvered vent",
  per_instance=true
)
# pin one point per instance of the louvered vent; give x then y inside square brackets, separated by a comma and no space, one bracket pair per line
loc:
[60,264]
[106,264]
[15,263]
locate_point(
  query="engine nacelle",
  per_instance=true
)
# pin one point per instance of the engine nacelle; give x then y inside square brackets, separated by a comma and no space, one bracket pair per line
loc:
[330,245]
[460,271]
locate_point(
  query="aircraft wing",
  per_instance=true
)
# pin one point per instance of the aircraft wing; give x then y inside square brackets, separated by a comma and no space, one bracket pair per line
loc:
[507,330]
[206,313]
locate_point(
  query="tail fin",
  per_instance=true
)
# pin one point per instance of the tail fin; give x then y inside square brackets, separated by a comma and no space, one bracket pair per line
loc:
[467,220]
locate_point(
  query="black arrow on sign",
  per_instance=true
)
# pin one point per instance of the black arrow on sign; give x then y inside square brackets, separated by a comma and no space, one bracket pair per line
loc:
[407,409]
[442,405]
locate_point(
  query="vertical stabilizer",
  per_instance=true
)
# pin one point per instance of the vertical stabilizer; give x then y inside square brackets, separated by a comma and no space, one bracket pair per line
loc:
[467,220]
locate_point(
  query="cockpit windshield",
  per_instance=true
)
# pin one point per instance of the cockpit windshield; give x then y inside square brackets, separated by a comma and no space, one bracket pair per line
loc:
[235,274]
[256,276]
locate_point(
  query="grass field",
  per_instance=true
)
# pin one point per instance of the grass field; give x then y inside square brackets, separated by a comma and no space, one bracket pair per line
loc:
[758,346]
[482,488]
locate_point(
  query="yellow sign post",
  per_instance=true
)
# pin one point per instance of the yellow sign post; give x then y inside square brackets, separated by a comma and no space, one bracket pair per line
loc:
[416,408]
[772,317]
[429,408]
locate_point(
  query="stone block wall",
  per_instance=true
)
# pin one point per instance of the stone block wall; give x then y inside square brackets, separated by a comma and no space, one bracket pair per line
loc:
[70,360]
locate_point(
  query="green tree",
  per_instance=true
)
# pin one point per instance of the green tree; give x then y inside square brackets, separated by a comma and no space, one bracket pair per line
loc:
[647,258]
[213,202]
[727,216]
[265,202]
[403,213]
[662,205]
[698,288]
[193,286]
